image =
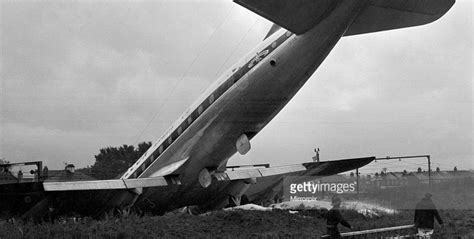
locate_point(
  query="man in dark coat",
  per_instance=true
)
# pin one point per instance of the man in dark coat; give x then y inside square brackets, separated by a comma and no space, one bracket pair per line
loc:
[334,217]
[425,213]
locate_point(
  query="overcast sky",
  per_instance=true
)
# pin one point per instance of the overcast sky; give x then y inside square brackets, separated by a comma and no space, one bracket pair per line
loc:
[80,76]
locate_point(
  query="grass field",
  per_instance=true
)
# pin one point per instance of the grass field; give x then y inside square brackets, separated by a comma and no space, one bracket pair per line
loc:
[457,201]
[224,224]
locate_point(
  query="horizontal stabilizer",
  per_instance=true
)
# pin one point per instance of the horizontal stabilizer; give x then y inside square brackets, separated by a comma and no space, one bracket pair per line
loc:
[381,15]
[297,16]
[300,16]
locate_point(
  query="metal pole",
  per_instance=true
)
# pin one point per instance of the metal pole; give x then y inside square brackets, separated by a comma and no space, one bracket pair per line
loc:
[357,175]
[403,157]
[429,170]
[40,170]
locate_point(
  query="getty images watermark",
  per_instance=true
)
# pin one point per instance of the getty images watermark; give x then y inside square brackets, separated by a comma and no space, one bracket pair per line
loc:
[313,188]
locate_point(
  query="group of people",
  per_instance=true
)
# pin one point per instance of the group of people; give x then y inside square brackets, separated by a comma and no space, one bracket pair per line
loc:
[425,214]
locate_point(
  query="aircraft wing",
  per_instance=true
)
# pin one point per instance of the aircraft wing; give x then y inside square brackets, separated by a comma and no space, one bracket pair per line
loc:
[270,186]
[109,184]
[258,184]
[235,184]
[95,196]
[308,169]
[32,199]
[305,169]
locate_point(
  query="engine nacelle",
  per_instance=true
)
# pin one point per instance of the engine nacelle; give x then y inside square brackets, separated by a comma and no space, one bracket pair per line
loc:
[243,144]
[205,177]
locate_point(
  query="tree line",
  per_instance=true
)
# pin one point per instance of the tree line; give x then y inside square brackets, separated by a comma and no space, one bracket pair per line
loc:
[112,162]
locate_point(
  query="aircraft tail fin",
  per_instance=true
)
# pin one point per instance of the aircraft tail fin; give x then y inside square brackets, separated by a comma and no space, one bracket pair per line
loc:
[300,16]
[272,30]
[381,15]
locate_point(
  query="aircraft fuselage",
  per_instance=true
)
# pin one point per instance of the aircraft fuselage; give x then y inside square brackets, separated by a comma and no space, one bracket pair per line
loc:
[243,101]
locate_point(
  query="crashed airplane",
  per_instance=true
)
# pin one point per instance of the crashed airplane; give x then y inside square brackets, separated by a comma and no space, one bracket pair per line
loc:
[187,165]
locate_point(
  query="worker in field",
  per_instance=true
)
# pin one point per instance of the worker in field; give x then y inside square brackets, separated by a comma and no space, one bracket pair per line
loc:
[334,217]
[425,213]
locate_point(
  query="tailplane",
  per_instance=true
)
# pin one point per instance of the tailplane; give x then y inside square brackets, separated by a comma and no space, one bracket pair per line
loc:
[299,16]
[381,15]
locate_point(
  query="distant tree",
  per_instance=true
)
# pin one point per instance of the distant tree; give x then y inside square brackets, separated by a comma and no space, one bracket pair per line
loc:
[455,169]
[437,169]
[87,170]
[112,162]
[5,168]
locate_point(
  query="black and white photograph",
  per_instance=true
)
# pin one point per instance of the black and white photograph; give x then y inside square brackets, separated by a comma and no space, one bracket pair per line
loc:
[236,119]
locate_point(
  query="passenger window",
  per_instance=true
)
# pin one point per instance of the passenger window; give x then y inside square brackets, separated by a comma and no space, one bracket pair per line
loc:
[200,109]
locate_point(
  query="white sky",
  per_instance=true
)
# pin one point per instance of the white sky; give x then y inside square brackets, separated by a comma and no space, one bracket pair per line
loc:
[80,76]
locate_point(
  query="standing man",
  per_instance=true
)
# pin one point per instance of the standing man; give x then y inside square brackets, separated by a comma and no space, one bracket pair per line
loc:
[334,217]
[20,176]
[425,213]
[316,157]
